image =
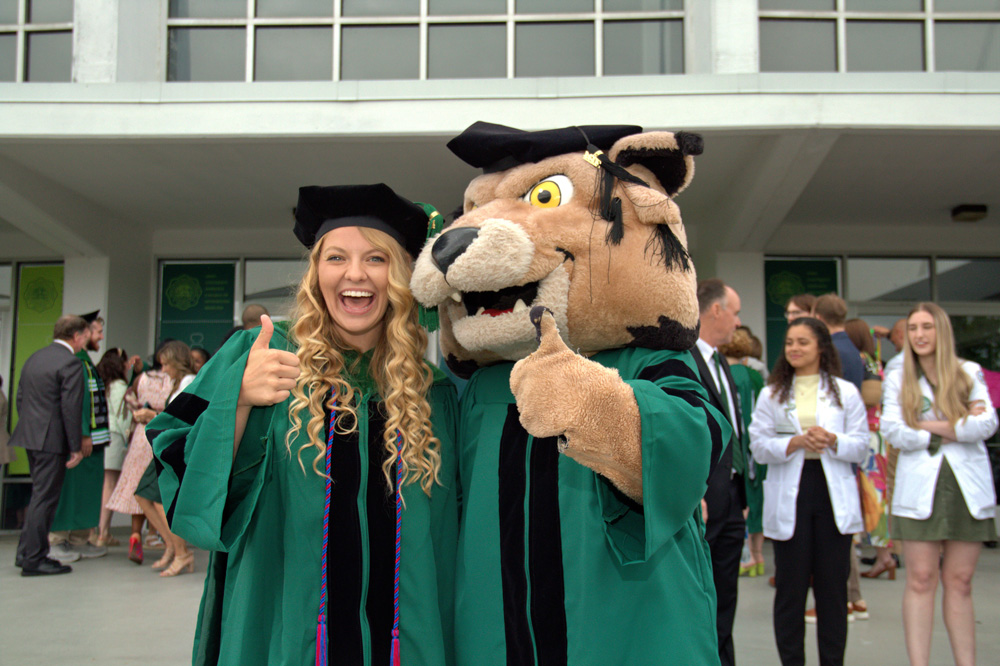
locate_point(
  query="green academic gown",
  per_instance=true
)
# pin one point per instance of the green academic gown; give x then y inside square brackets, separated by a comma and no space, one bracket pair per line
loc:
[749,383]
[80,498]
[555,566]
[263,516]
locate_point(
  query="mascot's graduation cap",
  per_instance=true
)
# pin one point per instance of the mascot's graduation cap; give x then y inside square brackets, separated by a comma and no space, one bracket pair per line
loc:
[494,148]
[323,209]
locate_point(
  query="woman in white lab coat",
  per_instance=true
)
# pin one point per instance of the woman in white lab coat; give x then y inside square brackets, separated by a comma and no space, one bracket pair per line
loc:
[808,427]
[938,411]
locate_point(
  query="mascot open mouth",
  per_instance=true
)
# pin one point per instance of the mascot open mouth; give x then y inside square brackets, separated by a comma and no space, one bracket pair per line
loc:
[504,301]
[498,322]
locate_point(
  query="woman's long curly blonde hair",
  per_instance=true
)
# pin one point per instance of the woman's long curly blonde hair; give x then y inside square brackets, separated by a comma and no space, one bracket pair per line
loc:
[951,395]
[397,365]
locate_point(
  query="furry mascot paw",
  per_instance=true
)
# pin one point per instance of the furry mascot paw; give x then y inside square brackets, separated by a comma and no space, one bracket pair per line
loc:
[589,407]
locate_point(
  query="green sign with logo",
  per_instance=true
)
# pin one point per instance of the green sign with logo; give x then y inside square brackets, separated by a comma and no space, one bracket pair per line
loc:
[784,278]
[39,305]
[196,302]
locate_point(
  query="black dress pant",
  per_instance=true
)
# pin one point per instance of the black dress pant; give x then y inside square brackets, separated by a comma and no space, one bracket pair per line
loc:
[47,473]
[819,551]
[725,543]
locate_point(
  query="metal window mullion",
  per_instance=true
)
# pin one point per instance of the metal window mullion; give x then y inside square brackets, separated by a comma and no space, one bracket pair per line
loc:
[599,38]
[251,38]
[511,25]
[422,49]
[841,38]
[932,265]
[930,50]
[337,27]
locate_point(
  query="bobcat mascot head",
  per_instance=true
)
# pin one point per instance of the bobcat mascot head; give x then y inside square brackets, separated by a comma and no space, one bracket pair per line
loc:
[580,220]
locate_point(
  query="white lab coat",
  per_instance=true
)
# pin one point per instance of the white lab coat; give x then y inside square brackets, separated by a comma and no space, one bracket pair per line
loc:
[917,470]
[773,426]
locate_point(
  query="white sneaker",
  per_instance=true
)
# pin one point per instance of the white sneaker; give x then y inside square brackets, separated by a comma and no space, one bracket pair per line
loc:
[62,553]
[89,551]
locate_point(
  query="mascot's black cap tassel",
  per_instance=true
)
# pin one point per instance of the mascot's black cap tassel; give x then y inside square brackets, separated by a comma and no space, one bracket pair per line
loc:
[611,206]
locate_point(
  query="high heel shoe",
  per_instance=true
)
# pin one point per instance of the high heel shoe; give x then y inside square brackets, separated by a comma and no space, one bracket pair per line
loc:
[880,569]
[164,561]
[181,564]
[760,569]
[135,548]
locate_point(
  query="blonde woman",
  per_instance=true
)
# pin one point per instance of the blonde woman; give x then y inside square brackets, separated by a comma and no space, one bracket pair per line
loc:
[937,411]
[317,459]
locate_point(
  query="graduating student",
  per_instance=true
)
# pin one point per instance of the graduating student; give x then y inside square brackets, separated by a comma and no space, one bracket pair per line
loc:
[317,459]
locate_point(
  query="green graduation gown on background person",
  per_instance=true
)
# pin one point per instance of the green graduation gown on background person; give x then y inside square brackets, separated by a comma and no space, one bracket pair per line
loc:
[555,566]
[80,498]
[263,517]
[749,383]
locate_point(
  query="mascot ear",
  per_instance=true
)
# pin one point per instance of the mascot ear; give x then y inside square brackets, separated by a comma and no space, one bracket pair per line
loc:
[665,154]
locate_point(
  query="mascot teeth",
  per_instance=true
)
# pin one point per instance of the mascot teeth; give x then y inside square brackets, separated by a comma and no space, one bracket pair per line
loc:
[456,296]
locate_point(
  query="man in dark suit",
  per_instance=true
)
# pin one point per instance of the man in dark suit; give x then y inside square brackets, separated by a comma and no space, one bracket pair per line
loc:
[725,499]
[49,428]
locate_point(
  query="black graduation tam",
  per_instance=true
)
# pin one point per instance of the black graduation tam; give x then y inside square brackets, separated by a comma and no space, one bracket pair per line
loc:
[91,317]
[322,209]
[495,148]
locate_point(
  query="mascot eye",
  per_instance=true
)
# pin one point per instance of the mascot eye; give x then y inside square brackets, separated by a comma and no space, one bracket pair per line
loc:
[552,192]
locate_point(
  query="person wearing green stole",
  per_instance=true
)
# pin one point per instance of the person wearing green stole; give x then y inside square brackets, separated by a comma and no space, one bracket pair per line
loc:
[79,510]
[317,459]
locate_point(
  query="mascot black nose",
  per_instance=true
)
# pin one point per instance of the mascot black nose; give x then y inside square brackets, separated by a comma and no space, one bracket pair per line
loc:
[451,244]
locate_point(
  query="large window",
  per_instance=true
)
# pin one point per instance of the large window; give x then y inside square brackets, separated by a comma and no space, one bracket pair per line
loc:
[323,40]
[879,35]
[36,40]
[882,289]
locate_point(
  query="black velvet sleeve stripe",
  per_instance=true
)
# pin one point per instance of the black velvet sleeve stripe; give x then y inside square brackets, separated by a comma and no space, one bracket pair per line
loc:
[513,483]
[670,368]
[173,456]
[714,430]
[545,556]
[187,407]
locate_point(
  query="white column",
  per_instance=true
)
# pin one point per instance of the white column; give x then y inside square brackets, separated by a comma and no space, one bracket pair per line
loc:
[744,272]
[721,37]
[95,41]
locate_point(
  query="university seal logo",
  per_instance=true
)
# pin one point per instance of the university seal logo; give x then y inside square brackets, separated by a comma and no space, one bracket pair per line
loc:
[183,292]
[40,295]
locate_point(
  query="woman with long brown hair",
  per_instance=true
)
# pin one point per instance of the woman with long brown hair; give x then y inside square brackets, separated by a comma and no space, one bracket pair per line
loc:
[317,459]
[938,412]
[808,427]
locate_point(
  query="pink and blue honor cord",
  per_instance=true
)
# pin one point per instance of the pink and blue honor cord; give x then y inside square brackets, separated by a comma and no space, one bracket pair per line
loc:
[322,639]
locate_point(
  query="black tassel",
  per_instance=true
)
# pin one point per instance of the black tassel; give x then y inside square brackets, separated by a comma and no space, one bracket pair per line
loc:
[669,248]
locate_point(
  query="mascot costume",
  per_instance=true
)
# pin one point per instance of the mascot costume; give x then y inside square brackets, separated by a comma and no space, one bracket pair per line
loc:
[566,292]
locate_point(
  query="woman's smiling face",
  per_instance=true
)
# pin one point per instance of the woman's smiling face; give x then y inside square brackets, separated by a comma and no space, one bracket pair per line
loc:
[922,333]
[354,278]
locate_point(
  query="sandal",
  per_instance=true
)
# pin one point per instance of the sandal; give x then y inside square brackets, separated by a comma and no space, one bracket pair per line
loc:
[179,565]
[164,561]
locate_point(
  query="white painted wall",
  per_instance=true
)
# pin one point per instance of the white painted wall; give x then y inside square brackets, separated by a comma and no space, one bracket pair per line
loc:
[85,289]
[744,272]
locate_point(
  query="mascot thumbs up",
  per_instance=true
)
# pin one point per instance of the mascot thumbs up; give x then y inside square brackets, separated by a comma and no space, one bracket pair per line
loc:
[588,407]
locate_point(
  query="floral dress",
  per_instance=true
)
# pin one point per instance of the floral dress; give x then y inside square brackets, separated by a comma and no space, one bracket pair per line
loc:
[153,388]
[871,482]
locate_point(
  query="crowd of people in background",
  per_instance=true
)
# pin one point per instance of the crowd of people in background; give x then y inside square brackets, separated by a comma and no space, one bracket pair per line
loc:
[91,419]
[834,448]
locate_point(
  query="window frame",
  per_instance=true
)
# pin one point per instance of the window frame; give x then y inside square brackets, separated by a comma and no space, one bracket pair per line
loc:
[22,29]
[423,20]
[928,16]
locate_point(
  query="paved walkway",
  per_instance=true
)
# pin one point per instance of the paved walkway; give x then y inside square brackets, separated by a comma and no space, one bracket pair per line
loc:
[110,611]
